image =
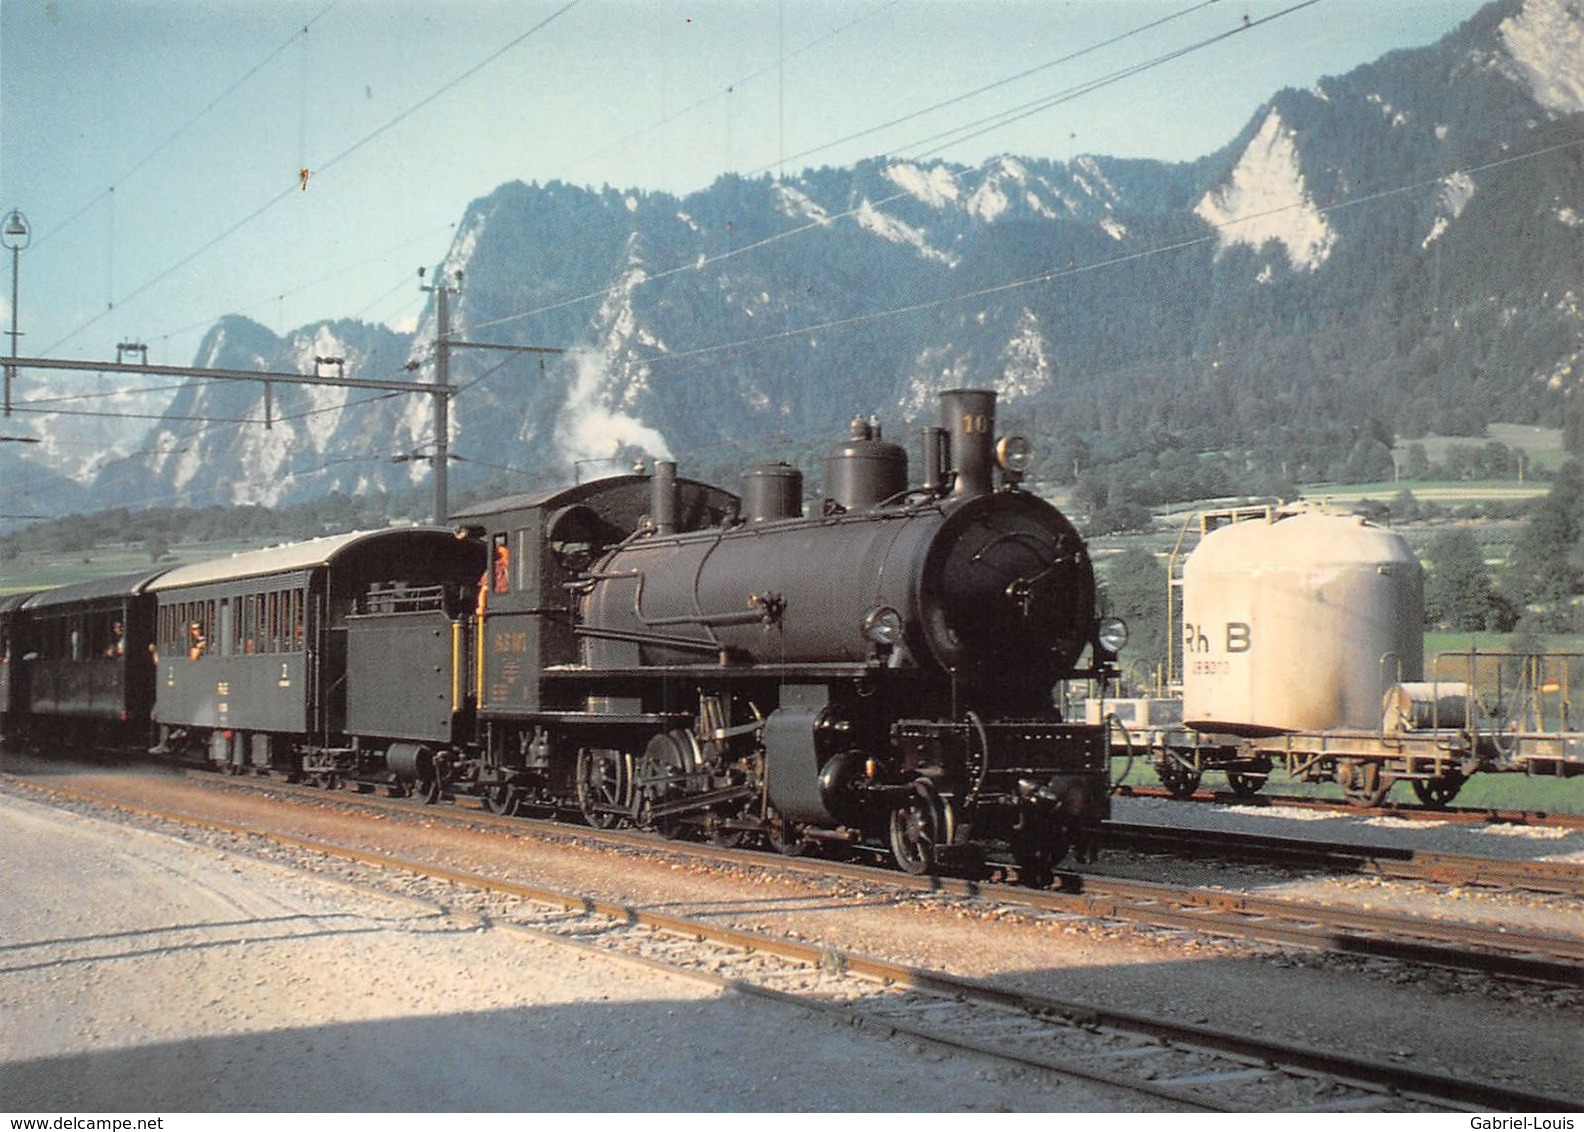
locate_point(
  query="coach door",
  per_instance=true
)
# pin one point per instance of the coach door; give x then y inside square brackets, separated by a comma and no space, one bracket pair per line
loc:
[325,673]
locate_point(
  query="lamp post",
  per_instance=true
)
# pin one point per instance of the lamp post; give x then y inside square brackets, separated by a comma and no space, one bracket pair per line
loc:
[16,235]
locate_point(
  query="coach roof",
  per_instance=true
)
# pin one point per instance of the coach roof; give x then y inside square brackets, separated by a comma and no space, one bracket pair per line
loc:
[295,556]
[122,585]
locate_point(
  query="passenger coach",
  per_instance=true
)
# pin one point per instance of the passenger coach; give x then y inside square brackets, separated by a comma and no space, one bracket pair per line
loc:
[13,670]
[254,650]
[86,677]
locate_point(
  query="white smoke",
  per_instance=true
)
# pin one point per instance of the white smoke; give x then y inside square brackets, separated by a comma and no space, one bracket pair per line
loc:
[591,429]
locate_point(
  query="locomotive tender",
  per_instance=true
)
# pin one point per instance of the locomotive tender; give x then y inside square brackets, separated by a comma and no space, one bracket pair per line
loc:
[657,651]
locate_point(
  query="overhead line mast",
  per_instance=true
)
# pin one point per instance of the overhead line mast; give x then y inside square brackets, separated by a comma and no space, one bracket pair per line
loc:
[440,389]
[444,344]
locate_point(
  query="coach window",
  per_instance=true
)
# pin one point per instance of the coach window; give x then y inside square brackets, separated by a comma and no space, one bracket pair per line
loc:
[297,620]
[522,560]
[103,631]
[260,624]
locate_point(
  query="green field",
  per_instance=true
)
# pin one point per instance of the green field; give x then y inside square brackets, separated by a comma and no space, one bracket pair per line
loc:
[1542,447]
[45,571]
[1447,493]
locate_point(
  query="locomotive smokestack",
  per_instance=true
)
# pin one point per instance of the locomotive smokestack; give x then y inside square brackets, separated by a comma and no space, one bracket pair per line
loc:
[969,418]
[663,497]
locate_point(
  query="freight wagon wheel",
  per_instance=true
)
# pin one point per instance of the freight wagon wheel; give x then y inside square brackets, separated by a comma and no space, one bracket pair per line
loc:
[1245,785]
[1435,793]
[919,828]
[604,788]
[1181,780]
[1362,783]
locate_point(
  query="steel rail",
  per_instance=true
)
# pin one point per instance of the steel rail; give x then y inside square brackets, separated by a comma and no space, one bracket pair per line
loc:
[1469,815]
[1254,1058]
[1530,956]
[1527,955]
[1564,878]
[1541,957]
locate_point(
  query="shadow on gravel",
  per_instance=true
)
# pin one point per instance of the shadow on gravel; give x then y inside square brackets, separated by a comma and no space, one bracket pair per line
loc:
[722,1054]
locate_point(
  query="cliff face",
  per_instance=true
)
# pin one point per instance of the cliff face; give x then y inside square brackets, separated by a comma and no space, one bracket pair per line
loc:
[1397,249]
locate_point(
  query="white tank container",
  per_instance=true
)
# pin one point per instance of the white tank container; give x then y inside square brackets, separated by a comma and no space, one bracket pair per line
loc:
[1301,622]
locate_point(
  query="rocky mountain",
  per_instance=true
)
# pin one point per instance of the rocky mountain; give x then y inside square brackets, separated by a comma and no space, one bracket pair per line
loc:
[1397,250]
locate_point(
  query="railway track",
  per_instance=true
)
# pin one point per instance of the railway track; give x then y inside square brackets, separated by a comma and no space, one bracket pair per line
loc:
[1562,878]
[1244,917]
[1194,1067]
[1468,815]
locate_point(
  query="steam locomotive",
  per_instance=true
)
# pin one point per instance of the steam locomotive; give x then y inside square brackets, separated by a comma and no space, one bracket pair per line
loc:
[650,650]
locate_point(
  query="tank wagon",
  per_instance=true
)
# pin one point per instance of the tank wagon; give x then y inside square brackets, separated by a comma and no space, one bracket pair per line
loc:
[876,673]
[1302,654]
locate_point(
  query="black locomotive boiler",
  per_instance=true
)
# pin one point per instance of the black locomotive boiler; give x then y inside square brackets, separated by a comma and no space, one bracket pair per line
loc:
[878,673]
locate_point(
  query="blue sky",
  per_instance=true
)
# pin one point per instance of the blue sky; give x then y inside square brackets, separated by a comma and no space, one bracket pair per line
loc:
[155,145]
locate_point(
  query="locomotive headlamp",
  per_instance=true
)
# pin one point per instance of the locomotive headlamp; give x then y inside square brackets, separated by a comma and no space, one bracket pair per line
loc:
[1113,635]
[1014,454]
[883,626]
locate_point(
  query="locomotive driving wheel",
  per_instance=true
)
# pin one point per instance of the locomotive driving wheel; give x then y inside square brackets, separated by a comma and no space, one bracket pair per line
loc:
[920,827]
[667,761]
[503,799]
[604,786]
